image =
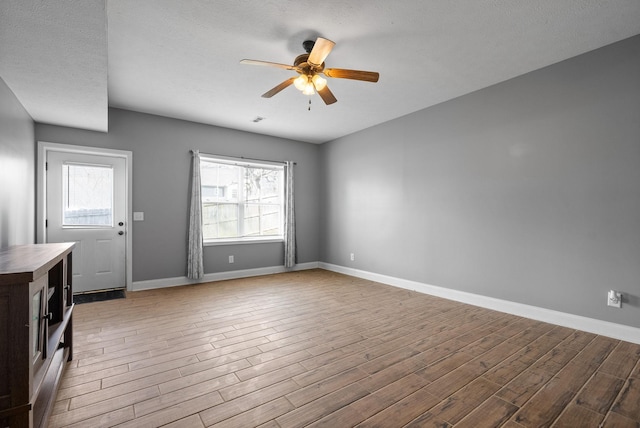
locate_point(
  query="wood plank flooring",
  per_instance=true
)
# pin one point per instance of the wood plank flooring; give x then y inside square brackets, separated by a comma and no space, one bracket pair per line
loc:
[316,348]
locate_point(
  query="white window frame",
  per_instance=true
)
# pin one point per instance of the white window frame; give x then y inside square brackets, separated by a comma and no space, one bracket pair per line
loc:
[241,199]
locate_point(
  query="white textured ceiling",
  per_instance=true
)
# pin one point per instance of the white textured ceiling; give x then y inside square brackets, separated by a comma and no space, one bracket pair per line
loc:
[67,61]
[53,56]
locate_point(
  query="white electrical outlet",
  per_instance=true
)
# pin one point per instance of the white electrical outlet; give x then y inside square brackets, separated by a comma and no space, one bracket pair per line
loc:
[231,259]
[614,298]
[352,256]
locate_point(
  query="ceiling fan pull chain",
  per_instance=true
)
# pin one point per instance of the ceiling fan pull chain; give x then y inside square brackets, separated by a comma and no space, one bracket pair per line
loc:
[309,104]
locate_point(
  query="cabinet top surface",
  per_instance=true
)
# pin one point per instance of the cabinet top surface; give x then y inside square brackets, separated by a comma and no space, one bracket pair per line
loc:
[30,260]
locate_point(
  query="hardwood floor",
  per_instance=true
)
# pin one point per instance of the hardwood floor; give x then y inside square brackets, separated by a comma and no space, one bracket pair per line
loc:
[316,348]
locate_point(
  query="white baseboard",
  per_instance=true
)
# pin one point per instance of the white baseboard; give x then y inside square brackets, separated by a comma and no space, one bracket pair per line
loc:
[218,276]
[604,328]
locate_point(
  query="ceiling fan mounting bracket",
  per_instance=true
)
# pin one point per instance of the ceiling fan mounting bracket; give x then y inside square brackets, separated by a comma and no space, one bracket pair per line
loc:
[308,45]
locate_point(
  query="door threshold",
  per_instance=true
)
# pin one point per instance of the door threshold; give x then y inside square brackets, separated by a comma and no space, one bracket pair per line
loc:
[99,295]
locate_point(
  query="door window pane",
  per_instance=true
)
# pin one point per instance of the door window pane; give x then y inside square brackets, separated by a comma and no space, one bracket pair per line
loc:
[87,192]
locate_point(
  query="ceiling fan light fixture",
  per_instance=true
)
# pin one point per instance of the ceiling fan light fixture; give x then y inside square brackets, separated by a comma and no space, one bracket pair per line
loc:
[305,84]
[319,82]
[308,89]
[301,82]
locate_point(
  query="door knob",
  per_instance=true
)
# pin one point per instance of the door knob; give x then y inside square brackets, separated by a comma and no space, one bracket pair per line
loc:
[121,233]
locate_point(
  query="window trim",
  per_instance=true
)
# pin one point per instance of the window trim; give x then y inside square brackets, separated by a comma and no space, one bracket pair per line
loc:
[250,163]
[242,241]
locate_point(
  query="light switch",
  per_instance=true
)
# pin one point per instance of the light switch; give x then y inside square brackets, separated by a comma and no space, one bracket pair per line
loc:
[138,216]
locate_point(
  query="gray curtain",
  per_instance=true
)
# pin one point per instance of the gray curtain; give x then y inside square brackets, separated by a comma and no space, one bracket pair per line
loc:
[289,218]
[195,267]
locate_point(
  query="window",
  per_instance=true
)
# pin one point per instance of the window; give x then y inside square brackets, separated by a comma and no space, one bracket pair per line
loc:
[87,192]
[241,201]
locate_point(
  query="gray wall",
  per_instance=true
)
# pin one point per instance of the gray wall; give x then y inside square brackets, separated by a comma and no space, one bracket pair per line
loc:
[527,191]
[17,172]
[161,171]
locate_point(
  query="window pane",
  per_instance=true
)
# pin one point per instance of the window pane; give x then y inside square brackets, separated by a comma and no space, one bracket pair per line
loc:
[219,182]
[241,200]
[252,220]
[87,192]
[262,220]
[219,220]
[262,185]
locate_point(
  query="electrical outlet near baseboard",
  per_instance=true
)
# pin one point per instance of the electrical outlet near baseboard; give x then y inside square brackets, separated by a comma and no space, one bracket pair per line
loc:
[352,257]
[614,298]
[231,259]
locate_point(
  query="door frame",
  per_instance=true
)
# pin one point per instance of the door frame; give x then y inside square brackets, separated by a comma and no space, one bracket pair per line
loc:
[41,192]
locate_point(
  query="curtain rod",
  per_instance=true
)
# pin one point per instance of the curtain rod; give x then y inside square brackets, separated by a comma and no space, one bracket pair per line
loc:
[241,157]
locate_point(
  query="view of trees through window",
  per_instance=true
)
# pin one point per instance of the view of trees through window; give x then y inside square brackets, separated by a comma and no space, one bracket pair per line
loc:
[241,200]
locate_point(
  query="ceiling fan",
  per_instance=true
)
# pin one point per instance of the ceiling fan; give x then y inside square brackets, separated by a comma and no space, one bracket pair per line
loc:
[310,66]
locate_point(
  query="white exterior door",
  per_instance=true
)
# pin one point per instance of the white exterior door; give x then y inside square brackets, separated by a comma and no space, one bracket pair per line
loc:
[86,204]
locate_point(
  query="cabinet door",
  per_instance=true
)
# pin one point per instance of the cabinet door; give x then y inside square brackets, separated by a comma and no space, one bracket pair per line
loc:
[38,323]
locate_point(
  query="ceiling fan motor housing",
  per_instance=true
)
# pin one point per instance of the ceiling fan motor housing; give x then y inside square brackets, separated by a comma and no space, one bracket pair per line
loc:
[305,67]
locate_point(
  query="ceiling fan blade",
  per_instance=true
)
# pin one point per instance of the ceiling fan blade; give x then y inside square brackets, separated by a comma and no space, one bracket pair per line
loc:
[278,88]
[320,50]
[268,64]
[341,73]
[327,96]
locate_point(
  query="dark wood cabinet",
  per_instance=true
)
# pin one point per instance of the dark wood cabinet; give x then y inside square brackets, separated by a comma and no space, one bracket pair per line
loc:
[36,332]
